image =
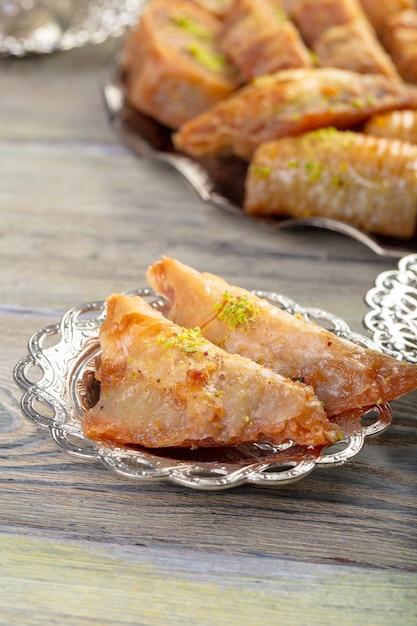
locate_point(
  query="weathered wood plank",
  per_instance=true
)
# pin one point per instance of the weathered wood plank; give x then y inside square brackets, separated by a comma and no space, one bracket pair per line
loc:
[113,584]
[57,96]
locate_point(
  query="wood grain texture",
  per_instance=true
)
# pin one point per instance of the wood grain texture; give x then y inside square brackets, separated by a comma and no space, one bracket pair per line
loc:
[112,584]
[80,217]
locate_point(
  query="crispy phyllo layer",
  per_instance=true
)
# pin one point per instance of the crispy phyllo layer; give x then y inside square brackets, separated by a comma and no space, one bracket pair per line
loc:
[353,46]
[378,11]
[340,35]
[259,39]
[219,8]
[240,9]
[401,42]
[163,385]
[345,376]
[366,181]
[291,102]
[395,21]
[174,68]
[315,17]
[401,125]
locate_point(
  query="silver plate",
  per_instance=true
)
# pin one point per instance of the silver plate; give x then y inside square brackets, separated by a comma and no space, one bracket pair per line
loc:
[58,379]
[220,180]
[44,26]
[393,316]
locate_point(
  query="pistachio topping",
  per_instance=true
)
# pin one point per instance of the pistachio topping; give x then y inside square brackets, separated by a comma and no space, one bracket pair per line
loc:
[236,310]
[262,171]
[187,340]
[313,169]
[193,27]
[280,14]
[214,61]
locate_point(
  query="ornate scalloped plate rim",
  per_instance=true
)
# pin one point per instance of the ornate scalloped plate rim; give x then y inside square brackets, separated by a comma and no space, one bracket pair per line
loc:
[392,319]
[57,400]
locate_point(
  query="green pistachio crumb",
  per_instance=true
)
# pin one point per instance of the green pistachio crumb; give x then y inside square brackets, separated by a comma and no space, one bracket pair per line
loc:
[314,57]
[188,340]
[280,14]
[262,171]
[214,61]
[193,27]
[236,310]
[337,180]
[314,170]
[358,103]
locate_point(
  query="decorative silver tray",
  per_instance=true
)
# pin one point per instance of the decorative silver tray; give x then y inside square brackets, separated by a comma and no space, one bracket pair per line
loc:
[43,26]
[220,180]
[393,316]
[58,379]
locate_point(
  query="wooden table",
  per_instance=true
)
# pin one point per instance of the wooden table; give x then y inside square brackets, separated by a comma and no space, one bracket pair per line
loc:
[81,217]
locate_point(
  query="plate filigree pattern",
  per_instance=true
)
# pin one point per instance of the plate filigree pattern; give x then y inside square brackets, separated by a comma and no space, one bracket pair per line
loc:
[393,316]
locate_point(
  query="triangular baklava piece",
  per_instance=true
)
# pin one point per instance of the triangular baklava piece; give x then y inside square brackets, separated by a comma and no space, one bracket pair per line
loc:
[163,385]
[346,376]
[287,103]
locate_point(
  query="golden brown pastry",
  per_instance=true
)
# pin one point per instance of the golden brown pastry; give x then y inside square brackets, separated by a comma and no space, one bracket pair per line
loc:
[240,9]
[400,125]
[401,42]
[173,66]
[288,103]
[369,182]
[314,17]
[219,8]
[260,39]
[163,386]
[395,21]
[340,35]
[345,376]
[353,46]
[378,11]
